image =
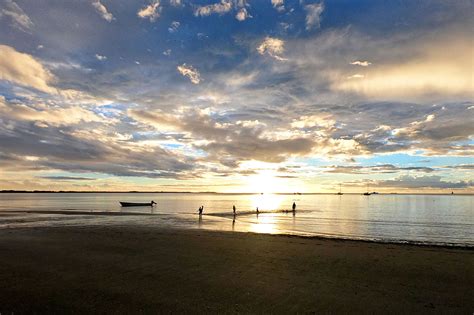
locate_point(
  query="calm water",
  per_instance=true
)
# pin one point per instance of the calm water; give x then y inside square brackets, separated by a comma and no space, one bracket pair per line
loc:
[432,219]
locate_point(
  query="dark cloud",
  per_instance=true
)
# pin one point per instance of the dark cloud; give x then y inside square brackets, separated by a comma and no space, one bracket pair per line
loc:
[384,168]
[230,142]
[424,182]
[73,178]
[462,166]
[58,148]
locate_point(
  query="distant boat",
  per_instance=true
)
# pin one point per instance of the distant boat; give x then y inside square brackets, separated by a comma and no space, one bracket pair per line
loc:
[367,192]
[137,204]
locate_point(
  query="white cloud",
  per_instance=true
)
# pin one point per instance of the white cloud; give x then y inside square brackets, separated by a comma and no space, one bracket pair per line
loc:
[100,57]
[279,4]
[313,15]
[24,69]
[174,26]
[364,63]
[242,15]
[320,121]
[49,115]
[190,72]
[273,47]
[356,76]
[167,52]
[18,17]
[102,10]
[151,11]
[175,3]
[220,8]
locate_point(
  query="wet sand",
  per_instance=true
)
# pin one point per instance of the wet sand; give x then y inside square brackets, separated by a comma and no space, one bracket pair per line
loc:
[124,269]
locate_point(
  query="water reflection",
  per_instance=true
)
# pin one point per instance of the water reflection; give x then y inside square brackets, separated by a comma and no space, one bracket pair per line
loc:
[428,218]
[267,223]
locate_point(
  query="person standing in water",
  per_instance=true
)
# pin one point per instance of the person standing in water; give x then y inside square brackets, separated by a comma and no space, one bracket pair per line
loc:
[201,208]
[294,207]
[233,209]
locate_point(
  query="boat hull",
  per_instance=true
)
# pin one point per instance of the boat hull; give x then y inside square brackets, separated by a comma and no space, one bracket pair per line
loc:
[136,204]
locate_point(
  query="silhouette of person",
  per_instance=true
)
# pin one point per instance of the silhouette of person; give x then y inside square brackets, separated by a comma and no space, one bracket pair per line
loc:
[294,207]
[257,210]
[201,208]
[233,209]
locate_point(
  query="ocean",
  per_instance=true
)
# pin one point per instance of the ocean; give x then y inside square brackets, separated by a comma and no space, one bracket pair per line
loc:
[427,219]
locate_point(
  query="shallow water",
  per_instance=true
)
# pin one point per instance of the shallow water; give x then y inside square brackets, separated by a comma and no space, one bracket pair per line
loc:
[433,219]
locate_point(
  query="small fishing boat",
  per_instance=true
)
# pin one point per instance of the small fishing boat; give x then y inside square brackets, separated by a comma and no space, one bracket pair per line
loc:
[137,204]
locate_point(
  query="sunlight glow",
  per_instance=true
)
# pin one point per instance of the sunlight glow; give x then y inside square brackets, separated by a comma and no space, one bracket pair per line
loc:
[267,202]
[265,182]
[266,224]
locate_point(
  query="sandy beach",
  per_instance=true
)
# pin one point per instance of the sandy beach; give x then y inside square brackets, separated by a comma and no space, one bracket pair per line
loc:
[123,269]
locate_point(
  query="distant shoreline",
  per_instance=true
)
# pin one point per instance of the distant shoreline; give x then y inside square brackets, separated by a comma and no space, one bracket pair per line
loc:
[212,192]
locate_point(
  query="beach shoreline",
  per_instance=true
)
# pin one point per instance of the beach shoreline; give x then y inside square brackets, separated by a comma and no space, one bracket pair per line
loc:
[154,269]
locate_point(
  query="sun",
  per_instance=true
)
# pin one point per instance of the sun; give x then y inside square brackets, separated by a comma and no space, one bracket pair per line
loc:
[266,182]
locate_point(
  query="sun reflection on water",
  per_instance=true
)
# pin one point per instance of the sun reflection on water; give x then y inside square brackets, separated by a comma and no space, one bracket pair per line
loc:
[266,220]
[266,223]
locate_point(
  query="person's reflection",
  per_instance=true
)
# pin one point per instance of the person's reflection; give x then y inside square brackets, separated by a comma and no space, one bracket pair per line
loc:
[200,221]
[233,223]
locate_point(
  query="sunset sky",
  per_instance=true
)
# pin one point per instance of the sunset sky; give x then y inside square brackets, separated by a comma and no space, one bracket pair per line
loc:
[237,95]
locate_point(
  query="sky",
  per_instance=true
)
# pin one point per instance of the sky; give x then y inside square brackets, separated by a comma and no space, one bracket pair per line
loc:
[237,95]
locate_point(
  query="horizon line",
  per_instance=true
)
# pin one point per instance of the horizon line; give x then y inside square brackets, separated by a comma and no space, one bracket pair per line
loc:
[230,193]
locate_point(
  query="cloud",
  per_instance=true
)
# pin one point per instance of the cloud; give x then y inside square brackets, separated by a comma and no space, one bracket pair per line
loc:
[361,63]
[462,166]
[321,121]
[273,47]
[356,76]
[435,131]
[228,143]
[220,8]
[421,182]
[83,151]
[18,17]
[190,72]
[102,10]
[45,114]
[151,11]
[66,178]
[24,69]
[174,27]
[313,15]
[375,169]
[279,5]
[100,57]
[430,67]
[176,3]
[242,15]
